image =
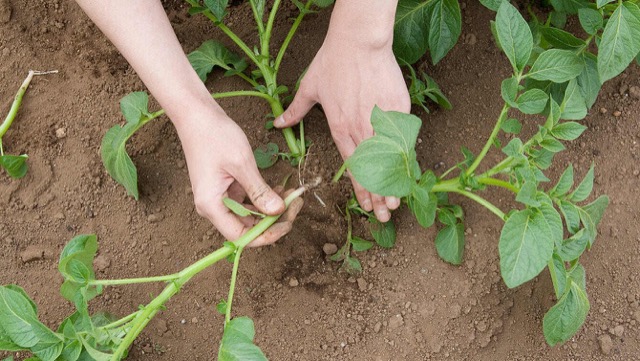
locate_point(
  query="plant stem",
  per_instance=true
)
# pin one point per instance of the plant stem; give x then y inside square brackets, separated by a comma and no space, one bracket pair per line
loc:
[127,281]
[292,31]
[499,183]
[340,172]
[495,210]
[121,321]
[554,277]
[487,146]
[145,315]
[269,29]
[232,285]
[289,136]
[258,18]
[17,101]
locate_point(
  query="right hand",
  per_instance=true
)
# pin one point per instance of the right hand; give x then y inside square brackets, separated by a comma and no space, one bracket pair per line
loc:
[221,164]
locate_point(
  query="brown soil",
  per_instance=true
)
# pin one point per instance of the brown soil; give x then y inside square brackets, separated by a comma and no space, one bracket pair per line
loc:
[406,305]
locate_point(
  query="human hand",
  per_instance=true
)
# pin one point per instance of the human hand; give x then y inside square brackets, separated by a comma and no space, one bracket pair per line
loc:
[351,73]
[221,164]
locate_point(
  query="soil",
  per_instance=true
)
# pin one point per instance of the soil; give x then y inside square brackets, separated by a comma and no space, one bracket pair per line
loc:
[406,305]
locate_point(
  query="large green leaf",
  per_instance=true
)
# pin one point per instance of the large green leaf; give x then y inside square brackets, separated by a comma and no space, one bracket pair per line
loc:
[561,39]
[444,29]
[514,35]
[15,165]
[237,342]
[564,183]
[568,130]
[556,65]
[620,41]
[566,317]
[525,246]
[589,79]
[571,248]
[591,20]
[591,215]
[450,243]
[411,29]
[492,4]
[211,54]
[402,128]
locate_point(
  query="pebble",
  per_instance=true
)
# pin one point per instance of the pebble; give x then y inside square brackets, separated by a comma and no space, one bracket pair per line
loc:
[329,248]
[618,330]
[161,326]
[194,320]
[101,263]
[376,327]
[61,133]
[293,282]
[362,284]
[606,344]
[617,113]
[32,253]
[634,91]
[603,110]
[154,218]
[396,321]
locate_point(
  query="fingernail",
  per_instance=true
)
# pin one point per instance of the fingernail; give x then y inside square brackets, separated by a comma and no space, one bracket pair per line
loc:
[383,215]
[366,204]
[395,202]
[279,121]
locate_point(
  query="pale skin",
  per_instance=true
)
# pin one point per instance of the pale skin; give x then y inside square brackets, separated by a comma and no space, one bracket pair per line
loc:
[345,77]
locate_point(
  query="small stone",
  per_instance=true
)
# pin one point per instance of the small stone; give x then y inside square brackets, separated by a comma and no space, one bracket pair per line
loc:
[61,133]
[58,216]
[618,330]
[376,327]
[396,322]
[154,218]
[603,110]
[362,284]
[617,113]
[147,348]
[161,326]
[606,344]
[634,91]
[32,253]
[329,249]
[101,263]
[194,320]
[183,321]
[293,282]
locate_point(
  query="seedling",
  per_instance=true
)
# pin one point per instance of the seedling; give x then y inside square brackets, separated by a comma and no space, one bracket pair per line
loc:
[101,337]
[261,76]
[16,165]
[554,75]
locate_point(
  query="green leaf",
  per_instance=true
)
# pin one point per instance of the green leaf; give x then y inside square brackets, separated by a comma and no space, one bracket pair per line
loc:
[221,307]
[552,218]
[444,28]
[422,202]
[385,163]
[383,233]
[323,3]
[450,243]
[564,183]
[509,91]
[601,3]
[76,271]
[557,269]
[569,6]
[573,106]
[492,4]
[552,145]
[514,35]
[411,29]
[82,247]
[572,248]
[528,194]
[360,245]
[620,41]
[525,246]
[558,19]
[514,149]
[237,342]
[266,156]
[239,209]
[561,39]
[352,265]
[447,217]
[71,350]
[571,216]
[211,54]
[583,189]
[135,106]
[568,130]
[591,20]
[591,215]
[15,165]
[217,7]
[566,317]
[512,126]
[589,79]
[556,65]
[533,101]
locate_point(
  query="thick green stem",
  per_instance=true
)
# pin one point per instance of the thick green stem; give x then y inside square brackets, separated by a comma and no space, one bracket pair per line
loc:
[489,144]
[128,281]
[232,286]
[292,31]
[498,182]
[143,317]
[340,172]
[269,29]
[289,135]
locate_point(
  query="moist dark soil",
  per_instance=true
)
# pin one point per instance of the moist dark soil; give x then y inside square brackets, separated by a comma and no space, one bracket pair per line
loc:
[407,304]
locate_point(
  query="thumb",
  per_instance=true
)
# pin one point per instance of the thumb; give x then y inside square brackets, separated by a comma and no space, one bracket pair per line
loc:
[300,106]
[265,199]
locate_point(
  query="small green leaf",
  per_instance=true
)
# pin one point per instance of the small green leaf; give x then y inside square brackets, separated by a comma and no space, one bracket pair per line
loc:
[514,35]
[266,156]
[553,145]
[528,194]
[352,265]
[620,42]
[444,28]
[237,342]
[525,246]
[591,20]
[450,243]
[571,216]
[589,79]
[569,6]
[572,248]
[512,126]
[533,101]
[221,307]
[360,245]
[566,317]
[557,66]
[211,54]
[422,203]
[217,7]
[601,3]
[71,350]
[514,148]
[447,217]
[573,106]
[583,189]
[591,215]
[564,183]
[15,165]
[323,3]
[239,209]
[568,130]
[509,91]
[561,39]
[383,233]
[558,269]
[135,106]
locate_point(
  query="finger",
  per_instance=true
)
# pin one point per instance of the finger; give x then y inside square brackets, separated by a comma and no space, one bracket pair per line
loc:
[380,208]
[299,107]
[228,224]
[292,211]
[392,202]
[236,192]
[272,234]
[362,195]
[261,195]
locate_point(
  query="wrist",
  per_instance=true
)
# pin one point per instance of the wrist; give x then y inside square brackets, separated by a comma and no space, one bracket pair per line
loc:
[363,23]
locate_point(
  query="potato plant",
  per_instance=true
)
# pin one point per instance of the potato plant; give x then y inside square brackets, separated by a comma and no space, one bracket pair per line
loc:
[555,75]
[101,337]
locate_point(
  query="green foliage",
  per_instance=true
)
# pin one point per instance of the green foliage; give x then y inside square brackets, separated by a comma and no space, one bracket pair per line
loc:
[15,165]
[425,87]
[620,42]
[239,209]
[213,54]
[217,7]
[266,155]
[514,36]
[237,342]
